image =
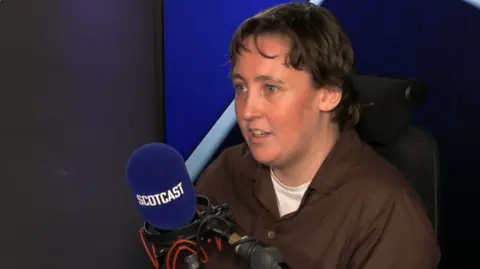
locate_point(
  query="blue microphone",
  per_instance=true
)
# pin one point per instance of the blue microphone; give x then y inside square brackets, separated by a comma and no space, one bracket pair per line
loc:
[160,183]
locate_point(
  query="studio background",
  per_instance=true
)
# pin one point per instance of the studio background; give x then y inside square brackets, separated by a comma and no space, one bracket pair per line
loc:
[84,83]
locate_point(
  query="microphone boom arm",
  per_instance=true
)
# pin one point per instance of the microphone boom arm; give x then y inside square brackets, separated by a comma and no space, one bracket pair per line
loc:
[258,255]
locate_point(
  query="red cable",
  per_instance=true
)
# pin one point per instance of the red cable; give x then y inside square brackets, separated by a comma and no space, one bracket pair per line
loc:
[178,243]
[180,248]
[152,259]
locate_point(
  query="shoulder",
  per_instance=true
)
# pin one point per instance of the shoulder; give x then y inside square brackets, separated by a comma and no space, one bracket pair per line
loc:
[219,175]
[381,187]
[379,177]
[393,221]
[386,197]
[357,170]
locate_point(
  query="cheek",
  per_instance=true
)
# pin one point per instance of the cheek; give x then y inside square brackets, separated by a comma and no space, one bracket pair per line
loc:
[287,121]
[294,121]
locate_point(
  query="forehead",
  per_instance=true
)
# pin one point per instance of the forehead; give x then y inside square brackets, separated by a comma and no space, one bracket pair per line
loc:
[264,54]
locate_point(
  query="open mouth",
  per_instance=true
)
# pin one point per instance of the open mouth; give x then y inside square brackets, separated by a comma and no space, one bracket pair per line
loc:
[259,133]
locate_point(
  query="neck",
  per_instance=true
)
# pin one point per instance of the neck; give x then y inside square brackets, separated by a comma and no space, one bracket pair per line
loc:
[304,169]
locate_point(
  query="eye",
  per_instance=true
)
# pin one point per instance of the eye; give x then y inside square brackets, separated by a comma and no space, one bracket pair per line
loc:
[239,87]
[271,88]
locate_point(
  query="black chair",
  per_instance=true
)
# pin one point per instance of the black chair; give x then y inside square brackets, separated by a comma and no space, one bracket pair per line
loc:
[387,107]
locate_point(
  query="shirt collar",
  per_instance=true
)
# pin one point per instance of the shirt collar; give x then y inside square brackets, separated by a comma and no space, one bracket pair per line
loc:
[344,155]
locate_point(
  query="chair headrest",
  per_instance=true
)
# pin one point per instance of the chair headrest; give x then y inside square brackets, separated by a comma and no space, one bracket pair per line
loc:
[387,106]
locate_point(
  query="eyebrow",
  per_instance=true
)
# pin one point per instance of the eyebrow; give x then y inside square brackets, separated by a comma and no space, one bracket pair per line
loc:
[261,78]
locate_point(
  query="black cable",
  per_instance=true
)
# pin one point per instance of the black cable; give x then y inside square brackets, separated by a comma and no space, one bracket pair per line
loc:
[199,231]
[205,222]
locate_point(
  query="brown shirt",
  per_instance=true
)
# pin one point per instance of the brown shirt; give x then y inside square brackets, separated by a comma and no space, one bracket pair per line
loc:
[358,212]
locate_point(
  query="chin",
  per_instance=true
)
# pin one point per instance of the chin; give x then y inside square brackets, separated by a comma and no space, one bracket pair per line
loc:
[263,156]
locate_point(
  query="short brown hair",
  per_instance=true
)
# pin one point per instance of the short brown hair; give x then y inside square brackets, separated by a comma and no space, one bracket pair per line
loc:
[318,45]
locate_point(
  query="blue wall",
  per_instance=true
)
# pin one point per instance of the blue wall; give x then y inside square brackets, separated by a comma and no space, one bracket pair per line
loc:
[435,41]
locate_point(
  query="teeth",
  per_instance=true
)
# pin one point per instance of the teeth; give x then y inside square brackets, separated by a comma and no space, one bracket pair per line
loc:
[258,132]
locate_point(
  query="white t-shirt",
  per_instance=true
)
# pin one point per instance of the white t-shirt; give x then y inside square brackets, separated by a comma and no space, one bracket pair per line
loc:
[288,198]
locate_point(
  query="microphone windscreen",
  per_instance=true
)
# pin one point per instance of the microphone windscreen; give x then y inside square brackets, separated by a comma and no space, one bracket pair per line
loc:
[161,186]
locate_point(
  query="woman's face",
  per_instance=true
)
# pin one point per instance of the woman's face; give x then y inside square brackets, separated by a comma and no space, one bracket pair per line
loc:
[279,112]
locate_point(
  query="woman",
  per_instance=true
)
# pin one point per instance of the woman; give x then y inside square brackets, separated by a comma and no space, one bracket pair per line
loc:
[303,181]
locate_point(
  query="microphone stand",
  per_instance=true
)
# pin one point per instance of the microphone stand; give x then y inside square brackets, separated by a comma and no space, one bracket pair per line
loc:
[259,256]
[262,257]
[214,222]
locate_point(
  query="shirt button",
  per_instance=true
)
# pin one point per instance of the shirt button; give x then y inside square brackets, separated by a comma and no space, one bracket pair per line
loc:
[271,234]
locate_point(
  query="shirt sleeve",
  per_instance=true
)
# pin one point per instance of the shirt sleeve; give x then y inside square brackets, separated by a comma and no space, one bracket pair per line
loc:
[399,236]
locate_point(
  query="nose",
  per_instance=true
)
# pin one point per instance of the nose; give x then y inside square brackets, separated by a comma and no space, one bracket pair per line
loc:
[253,106]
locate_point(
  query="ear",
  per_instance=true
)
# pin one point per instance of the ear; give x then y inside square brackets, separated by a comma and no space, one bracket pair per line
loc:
[328,99]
